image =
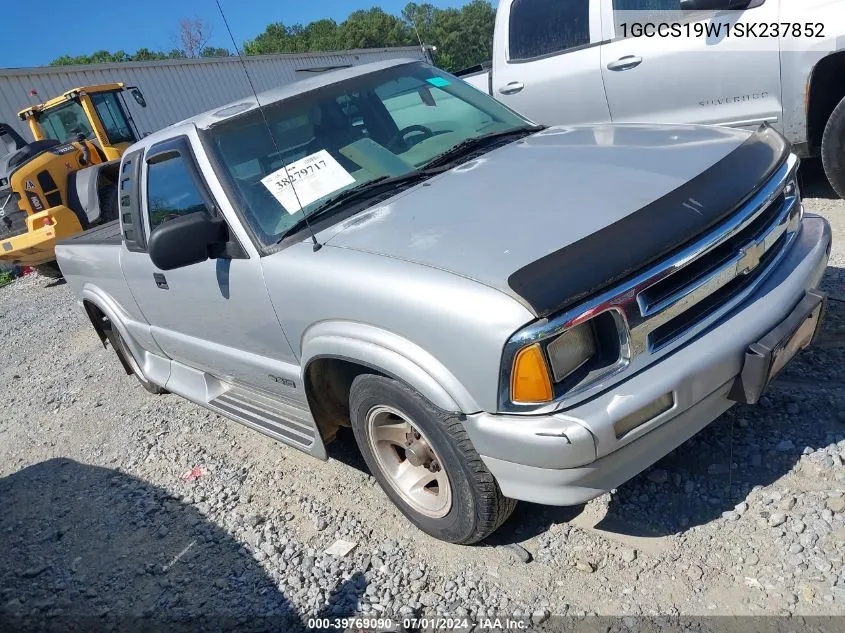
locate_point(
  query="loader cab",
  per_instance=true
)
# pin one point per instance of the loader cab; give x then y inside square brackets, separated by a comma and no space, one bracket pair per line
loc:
[96,113]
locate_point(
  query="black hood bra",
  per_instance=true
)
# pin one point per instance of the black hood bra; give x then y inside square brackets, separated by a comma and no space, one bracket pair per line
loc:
[556,281]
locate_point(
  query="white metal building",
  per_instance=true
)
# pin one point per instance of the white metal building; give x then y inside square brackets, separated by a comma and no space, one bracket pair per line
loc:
[178,88]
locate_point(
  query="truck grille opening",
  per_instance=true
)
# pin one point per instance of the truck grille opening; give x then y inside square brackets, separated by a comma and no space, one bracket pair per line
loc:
[703,267]
[674,328]
[719,274]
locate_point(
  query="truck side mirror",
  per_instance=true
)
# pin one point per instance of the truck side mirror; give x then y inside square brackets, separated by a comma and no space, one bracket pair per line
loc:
[186,240]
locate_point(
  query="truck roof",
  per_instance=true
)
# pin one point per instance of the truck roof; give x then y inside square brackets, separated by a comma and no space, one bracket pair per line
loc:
[208,119]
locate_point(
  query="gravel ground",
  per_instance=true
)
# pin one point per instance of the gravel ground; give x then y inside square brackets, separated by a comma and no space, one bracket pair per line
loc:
[117,504]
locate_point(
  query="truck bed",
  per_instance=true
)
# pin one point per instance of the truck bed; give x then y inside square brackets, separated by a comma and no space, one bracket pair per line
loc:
[108,233]
[92,259]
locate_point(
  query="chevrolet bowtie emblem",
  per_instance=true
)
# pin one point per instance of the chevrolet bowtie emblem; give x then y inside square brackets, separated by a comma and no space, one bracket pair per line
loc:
[749,257]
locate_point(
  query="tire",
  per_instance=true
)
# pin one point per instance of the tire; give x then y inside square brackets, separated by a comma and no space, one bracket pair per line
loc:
[833,149]
[50,270]
[125,355]
[464,505]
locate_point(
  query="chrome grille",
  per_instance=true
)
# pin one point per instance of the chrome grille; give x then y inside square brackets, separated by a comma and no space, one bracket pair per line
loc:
[677,302]
[676,299]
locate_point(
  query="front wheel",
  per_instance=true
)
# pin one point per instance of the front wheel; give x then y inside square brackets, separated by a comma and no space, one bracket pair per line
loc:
[833,149]
[425,462]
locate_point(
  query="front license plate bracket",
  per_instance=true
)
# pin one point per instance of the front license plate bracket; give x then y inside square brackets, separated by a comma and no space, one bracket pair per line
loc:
[766,358]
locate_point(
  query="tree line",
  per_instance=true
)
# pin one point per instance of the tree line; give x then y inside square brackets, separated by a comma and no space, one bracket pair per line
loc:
[462,37]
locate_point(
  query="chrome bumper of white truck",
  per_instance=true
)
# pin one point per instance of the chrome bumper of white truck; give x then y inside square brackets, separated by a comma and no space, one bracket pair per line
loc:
[572,456]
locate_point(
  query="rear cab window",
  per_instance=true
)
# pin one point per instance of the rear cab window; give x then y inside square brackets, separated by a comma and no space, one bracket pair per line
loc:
[540,28]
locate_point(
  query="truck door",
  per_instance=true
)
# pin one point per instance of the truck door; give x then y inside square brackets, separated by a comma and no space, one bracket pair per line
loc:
[714,79]
[547,60]
[214,316]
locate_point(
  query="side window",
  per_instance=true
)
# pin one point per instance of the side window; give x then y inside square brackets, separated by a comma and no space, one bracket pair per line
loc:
[113,117]
[171,191]
[545,27]
[646,11]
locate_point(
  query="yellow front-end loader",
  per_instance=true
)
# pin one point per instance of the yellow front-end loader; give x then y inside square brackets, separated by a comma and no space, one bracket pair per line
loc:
[65,181]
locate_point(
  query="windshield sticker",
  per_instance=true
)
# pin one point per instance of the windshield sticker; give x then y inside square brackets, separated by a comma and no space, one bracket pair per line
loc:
[438,82]
[312,178]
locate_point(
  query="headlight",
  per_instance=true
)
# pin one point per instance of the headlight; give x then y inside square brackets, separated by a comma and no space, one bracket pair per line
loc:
[561,363]
[530,380]
[571,350]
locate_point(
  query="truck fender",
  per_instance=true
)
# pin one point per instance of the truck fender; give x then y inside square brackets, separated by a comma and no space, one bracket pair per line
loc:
[390,354]
[111,310]
[84,191]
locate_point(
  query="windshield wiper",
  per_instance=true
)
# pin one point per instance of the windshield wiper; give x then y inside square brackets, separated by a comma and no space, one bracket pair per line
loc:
[473,143]
[362,192]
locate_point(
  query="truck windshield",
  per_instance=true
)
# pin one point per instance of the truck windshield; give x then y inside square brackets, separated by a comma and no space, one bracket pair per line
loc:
[317,145]
[63,123]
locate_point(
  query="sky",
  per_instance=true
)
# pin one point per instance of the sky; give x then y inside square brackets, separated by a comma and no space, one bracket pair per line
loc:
[73,28]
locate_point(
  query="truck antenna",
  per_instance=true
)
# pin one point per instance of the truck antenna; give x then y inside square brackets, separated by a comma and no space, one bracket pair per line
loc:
[419,39]
[317,245]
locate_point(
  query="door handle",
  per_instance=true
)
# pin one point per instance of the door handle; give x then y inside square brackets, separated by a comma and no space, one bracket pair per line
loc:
[161,282]
[512,88]
[625,63]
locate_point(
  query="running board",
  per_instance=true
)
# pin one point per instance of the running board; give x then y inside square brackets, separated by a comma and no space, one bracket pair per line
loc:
[281,421]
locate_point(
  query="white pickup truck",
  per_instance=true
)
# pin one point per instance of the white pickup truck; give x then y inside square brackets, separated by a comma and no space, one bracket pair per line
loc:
[590,61]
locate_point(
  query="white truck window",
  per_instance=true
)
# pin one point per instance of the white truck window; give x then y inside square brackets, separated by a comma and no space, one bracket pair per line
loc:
[546,27]
[645,8]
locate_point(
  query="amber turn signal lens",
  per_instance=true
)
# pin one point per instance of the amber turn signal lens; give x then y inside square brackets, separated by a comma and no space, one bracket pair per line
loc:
[530,378]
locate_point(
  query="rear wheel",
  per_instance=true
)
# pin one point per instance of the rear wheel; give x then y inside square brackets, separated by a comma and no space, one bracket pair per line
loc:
[50,270]
[123,351]
[425,462]
[833,149]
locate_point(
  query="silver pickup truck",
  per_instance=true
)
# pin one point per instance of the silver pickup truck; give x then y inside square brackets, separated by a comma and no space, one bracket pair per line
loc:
[500,311]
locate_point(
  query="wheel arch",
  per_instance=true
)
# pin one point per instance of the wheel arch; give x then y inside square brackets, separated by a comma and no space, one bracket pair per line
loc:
[335,353]
[825,90]
[104,315]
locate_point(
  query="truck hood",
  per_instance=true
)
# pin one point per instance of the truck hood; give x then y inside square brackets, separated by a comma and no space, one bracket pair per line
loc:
[560,214]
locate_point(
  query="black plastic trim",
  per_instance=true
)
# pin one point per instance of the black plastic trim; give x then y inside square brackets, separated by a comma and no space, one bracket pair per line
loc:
[46,181]
[54,199]
[129,203]
[756,375]
[618,251]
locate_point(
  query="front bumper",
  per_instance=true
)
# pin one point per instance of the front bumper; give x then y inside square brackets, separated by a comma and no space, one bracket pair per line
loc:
[38,245]
[572,456]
